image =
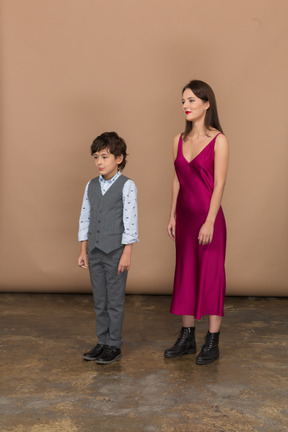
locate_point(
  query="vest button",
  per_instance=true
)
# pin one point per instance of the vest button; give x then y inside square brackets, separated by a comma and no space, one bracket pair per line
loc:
[99,221]
[98,231]
[97,241]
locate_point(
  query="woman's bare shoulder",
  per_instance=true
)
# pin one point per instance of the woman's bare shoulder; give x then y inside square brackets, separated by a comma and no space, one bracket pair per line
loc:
[175,145]
[221,141]
[177,137]
[176,141]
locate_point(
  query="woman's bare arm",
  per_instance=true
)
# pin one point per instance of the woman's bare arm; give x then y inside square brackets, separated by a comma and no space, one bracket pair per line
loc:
[175,189]
[220,174]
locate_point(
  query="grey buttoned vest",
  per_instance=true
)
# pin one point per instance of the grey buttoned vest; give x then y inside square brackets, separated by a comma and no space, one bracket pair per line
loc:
[106,216]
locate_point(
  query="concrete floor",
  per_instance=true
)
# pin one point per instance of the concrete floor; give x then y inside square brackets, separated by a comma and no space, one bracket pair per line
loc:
[46,386]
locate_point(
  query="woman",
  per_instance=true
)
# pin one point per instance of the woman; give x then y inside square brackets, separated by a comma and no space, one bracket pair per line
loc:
[197,222]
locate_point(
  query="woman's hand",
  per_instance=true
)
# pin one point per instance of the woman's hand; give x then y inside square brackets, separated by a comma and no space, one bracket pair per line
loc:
[206,233]
[171,228]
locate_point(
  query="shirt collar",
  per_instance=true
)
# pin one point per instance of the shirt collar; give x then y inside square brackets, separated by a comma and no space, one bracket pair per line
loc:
[112,180]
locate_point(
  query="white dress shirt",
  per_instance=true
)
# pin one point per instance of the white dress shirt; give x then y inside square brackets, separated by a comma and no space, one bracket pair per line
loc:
[130,215]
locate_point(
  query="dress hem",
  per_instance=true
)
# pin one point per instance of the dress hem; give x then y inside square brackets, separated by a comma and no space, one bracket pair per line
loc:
[198,317]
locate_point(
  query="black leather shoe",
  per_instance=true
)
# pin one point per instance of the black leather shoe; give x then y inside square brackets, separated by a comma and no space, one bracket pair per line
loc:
[109,355]
[185,343]
[94,353]
[209,351]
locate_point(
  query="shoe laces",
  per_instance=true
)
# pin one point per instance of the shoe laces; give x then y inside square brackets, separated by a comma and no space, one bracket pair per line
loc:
[110,349]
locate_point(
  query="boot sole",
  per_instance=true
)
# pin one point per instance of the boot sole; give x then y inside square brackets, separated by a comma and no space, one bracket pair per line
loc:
[205,362]
[192,351]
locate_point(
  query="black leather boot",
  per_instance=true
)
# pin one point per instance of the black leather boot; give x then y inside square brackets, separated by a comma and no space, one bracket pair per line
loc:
[185,343]
[209,351]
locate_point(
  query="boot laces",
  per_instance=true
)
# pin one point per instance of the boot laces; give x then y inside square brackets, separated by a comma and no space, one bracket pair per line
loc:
[209,341]
[182,336]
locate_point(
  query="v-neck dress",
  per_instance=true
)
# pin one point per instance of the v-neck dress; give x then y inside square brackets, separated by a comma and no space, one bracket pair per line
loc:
[199,282]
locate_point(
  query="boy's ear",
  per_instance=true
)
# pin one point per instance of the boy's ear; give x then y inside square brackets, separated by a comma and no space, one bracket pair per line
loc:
[119,159]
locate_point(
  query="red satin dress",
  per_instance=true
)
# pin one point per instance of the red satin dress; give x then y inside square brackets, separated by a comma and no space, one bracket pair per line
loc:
[199,282]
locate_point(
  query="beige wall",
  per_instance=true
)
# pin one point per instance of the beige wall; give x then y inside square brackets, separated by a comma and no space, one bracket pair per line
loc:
[71,69]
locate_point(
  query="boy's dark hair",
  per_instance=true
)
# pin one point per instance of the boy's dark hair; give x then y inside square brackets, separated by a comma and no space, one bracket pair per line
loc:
[111,141]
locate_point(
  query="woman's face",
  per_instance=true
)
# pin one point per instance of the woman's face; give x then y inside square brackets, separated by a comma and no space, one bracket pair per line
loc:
[193,107]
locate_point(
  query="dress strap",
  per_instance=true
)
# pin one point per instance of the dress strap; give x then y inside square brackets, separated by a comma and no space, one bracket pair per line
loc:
[220,133]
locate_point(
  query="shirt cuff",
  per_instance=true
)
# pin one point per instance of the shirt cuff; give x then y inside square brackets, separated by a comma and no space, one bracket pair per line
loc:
[129,239]
[82,237]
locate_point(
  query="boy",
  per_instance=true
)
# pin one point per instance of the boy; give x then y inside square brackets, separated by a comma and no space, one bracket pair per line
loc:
[108,227]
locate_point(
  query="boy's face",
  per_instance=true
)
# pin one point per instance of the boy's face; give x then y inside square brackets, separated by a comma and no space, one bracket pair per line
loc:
[107,163]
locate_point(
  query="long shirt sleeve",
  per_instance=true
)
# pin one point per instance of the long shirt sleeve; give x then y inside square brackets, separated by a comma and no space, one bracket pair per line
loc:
[84,217]
[130,213]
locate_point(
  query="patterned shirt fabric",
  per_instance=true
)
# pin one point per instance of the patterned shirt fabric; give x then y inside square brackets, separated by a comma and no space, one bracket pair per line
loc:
[130,214]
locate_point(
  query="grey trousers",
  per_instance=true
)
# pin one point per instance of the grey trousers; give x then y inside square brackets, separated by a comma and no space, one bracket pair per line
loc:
[109,295]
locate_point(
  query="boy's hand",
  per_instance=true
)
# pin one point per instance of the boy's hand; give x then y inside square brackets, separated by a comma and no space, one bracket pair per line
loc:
[125,260]
[83,261]
[83,258]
